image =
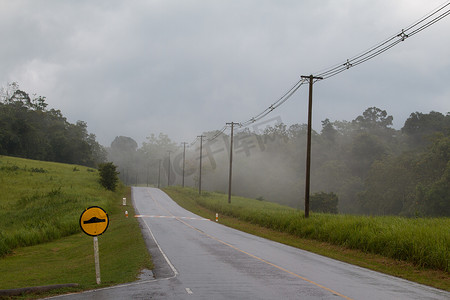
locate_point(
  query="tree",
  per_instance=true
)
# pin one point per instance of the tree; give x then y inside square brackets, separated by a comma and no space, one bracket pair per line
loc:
[373,118]
[329,133]
[98,152]
[124,144]
[123,153]
[108,176]
[420,127]
[390,187]
[433,170]
[157,146]
[324,202]
[28,129]
[435,199]
[365,149]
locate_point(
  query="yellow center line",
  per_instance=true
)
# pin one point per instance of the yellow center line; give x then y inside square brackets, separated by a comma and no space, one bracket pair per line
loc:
[251,255]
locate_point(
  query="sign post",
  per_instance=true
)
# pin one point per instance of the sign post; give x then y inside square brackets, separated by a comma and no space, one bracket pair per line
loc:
[97,261]
[94,221]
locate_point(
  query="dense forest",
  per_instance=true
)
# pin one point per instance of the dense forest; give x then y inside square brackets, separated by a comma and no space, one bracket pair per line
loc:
[373,168]
[29,130]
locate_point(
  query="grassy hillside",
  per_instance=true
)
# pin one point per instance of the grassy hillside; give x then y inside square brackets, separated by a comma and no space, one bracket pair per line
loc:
[40,239]
[42,201]
[422,242]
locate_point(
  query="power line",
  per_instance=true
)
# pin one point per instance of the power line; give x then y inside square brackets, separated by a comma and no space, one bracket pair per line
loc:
[276,104]
[193,143]
[217,134]
[439,8]
[362,57]
[440,17]
[431,18]
[388,43]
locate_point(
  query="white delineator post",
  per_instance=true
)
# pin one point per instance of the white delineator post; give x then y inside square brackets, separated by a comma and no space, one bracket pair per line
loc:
[97,260]
[217,217]
[124,201]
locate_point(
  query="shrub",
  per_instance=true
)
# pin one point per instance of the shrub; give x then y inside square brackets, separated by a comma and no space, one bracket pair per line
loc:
[324,202]
[108,176]
[38,170]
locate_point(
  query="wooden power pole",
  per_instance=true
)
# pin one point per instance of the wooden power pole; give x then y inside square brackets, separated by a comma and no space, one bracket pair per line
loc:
[184,159]
[159,174]
[168,169]
[308,146]
[200,172]
[231,160]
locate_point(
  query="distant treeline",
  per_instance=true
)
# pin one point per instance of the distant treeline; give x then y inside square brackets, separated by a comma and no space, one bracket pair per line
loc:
[29,130]
[373,168]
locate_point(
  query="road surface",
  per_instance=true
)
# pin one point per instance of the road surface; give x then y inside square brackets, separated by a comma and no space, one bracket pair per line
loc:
[197,258]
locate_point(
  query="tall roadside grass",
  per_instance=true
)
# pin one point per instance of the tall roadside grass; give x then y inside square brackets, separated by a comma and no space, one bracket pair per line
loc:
[42,201]
[422,241]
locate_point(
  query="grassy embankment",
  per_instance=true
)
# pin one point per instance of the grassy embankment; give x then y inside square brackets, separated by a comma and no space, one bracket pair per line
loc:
[40,239]
[416,249]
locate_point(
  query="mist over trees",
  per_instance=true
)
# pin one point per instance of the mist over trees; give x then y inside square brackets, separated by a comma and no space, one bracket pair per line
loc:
[363,166]
[29,130]
[368,166]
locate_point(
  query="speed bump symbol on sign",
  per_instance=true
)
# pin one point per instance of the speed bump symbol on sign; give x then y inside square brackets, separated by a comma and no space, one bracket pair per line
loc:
[94,221]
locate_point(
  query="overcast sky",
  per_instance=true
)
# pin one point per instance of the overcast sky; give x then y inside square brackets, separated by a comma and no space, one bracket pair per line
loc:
[133,68]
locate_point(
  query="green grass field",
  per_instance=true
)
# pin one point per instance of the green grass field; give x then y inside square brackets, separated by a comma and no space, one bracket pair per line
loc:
[420,244]
[40,238]
[41,201]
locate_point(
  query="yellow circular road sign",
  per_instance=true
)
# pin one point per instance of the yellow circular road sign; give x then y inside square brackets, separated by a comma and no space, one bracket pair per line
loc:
[94,221]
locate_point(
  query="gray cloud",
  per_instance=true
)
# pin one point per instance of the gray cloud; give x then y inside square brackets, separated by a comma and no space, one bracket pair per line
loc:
[183,67]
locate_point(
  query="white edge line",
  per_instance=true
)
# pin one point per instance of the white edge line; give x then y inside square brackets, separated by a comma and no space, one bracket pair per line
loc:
[162,252]
[157,244]
[171,217]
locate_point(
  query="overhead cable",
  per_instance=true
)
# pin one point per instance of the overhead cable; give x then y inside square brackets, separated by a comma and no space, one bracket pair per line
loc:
[193,143]
[217,134]
[276,104]
[431,18]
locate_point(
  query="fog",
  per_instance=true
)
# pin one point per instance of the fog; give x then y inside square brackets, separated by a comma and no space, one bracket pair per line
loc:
[352,159]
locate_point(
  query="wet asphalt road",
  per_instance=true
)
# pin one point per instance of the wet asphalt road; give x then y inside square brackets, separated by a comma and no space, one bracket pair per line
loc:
[201,259]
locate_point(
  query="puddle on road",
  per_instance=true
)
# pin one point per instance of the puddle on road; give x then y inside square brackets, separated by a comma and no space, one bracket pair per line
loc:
[146,275]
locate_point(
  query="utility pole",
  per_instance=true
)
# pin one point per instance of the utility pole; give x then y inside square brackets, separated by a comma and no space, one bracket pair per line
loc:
[308,145]
[159,174]
[148,167]
[168,170]
[200,174]
[184,160]
[231,160]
